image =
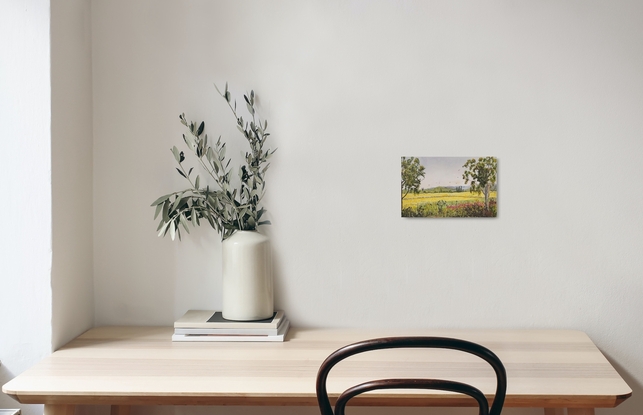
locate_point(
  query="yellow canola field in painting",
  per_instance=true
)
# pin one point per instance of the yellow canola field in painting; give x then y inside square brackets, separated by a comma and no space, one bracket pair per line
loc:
[412,200]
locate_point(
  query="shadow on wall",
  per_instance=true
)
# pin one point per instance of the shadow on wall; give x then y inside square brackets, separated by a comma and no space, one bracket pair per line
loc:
[8,403]
[6,376]
[635,402]
[279,285]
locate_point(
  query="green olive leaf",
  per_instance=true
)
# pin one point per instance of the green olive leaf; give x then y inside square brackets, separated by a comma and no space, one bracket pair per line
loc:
[230,207]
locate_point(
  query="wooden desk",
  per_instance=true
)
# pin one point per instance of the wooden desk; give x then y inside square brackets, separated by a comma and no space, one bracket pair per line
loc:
[122,366]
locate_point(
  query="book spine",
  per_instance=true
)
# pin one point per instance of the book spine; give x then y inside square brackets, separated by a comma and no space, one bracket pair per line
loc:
[279,337]
[257,332]
[197,338]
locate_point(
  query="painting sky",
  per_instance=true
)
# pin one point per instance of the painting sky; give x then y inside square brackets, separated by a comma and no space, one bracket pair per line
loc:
[443,171]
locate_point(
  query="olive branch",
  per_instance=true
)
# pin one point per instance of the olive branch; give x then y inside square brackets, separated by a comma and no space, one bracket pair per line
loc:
[224,208]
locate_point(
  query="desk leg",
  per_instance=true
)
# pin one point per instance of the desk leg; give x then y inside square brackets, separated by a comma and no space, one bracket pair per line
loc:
[580,411]
[59,409]
[120,410]
[554,411]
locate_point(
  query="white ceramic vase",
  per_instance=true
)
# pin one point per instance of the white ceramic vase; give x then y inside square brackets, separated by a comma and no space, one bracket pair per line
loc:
[247,277]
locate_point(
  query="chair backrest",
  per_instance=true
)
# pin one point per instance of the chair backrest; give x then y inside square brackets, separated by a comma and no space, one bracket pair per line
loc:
[412,342]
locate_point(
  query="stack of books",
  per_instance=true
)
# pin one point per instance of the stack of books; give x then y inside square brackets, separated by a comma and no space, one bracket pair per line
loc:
[210,326]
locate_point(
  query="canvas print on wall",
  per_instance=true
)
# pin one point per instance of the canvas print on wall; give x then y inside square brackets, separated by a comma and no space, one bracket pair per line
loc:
[449,187]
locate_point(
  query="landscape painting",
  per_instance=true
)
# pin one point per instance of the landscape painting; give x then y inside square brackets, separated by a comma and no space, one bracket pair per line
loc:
[449,187]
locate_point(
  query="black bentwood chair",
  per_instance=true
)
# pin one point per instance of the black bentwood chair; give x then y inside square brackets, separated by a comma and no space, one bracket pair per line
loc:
[436,384]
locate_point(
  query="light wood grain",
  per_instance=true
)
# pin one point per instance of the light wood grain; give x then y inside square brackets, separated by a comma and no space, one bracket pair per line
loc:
[140,365]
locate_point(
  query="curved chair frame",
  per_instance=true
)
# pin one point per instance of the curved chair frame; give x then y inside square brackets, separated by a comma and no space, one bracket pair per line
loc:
[412,342]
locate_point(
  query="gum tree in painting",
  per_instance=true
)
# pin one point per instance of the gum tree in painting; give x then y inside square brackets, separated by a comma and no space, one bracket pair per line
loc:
[482,174]
[412,175]
[449,187]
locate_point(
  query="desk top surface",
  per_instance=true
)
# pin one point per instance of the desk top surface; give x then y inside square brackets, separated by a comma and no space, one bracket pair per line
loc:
[141,365]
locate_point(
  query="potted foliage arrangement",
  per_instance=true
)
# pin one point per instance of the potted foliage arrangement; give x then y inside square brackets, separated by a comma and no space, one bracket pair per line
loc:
[234,211]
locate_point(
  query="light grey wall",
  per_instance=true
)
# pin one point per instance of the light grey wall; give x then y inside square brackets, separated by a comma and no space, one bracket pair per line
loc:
[46,284]
[553,89]
[25,178]
[71,183]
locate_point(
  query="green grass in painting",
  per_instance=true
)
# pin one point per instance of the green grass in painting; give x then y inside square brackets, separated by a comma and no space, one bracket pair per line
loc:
[452,204]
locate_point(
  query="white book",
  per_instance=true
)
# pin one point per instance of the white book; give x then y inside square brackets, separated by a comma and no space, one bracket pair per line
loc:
[232,331]
[206,319]
[279,337]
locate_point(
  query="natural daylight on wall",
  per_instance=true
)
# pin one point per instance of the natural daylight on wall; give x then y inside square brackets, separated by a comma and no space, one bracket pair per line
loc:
[449,187]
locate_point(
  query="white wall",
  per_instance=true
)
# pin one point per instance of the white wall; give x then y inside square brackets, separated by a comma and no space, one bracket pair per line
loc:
[553,89]
[46,174]
[25,180]
[71,136]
